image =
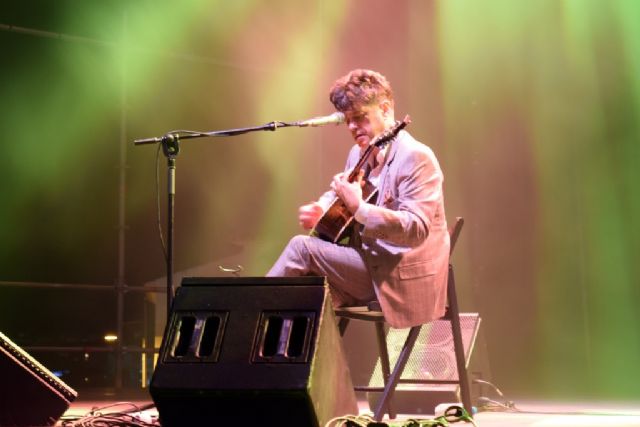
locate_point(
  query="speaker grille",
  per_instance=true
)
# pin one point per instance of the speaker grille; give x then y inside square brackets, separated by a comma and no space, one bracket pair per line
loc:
[433,357]
[195,336]
[284,337]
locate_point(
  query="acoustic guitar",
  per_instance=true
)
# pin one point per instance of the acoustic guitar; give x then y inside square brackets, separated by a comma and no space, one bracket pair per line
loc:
[335,224]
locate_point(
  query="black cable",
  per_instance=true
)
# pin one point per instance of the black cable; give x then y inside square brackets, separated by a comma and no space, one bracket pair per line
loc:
[452,414]
[164,246]
[96,417]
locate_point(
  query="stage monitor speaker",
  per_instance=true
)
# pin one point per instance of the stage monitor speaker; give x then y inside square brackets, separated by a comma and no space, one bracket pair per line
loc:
[252,351]
[30,394]
[433,358]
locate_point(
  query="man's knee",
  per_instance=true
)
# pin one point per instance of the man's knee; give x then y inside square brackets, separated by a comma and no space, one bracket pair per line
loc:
[299,243]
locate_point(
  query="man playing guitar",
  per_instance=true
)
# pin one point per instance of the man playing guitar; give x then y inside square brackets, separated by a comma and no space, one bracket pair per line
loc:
[399,247]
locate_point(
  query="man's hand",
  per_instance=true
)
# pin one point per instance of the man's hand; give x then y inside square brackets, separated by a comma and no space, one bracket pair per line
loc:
[349,192]
[308,215]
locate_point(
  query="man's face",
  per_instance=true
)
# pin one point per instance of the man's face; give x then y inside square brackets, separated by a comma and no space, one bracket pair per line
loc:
[366,122]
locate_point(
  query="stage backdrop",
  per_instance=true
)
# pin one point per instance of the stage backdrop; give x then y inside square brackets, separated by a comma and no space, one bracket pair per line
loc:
[531,107]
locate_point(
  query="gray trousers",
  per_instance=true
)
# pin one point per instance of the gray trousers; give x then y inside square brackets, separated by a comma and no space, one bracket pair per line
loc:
[349,279]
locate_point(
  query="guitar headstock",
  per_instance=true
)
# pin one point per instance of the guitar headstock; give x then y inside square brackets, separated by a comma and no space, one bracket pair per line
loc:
[386,136]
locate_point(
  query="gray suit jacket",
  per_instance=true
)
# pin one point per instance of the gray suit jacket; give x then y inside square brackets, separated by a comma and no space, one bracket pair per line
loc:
[405,238]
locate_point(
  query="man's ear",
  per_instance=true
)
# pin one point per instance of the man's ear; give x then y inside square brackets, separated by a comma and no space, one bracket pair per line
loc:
[386,107]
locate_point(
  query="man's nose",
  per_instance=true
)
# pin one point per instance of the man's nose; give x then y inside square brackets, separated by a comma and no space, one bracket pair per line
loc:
[352,125]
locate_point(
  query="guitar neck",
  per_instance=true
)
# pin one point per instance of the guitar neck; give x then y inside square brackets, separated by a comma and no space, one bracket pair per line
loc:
[363,160]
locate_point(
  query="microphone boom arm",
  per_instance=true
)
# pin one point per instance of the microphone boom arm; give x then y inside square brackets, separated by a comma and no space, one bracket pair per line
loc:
[337,118]
[171,147]
[189,134]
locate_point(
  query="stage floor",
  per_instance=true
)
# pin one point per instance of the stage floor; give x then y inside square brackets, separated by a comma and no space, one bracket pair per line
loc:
[529,414]
[556,414]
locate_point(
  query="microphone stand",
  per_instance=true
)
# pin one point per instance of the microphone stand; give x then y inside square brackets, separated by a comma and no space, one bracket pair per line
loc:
[171,147]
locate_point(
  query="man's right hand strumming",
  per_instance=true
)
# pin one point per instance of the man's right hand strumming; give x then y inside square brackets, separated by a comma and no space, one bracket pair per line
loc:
[308,215]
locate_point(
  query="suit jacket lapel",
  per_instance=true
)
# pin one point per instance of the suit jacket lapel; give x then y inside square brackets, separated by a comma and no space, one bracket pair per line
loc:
[391,153]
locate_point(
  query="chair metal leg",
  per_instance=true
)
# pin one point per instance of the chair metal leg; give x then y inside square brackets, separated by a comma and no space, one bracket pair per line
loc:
[395,376]
[454,317]
[385,365]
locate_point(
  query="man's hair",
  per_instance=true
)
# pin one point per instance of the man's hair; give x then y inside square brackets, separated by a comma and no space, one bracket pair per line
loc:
[359,88]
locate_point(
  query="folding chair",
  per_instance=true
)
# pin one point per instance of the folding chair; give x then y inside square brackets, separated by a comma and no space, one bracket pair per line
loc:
[372,313]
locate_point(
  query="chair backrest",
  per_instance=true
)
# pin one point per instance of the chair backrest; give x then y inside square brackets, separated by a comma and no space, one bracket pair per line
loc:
[454,232]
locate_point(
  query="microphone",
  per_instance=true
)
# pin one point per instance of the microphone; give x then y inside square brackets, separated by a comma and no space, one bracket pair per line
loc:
[336,118]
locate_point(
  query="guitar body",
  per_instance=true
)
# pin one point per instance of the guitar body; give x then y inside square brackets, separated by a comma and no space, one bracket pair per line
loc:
[336,223]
